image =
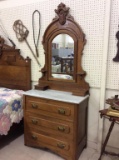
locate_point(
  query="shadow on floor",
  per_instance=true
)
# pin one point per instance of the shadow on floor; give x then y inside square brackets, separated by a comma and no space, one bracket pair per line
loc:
[7,139]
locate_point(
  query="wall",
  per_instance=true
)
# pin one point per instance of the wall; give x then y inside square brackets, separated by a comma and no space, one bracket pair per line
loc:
[91,16]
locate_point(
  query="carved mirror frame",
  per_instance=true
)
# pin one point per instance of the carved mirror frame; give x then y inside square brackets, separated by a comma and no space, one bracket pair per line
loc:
[64,23]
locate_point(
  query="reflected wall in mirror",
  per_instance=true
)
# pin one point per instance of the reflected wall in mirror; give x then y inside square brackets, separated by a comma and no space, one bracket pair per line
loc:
[62,58]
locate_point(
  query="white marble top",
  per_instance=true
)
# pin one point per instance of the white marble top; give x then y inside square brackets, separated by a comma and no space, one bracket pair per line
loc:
[56,95]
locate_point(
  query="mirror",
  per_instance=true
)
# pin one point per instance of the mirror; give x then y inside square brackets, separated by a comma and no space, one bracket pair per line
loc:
[63,43]
[62,58]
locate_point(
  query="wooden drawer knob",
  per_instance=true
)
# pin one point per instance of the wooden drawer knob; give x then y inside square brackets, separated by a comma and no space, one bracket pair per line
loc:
[34,121]
[61,111]
[34,106]
[61,145]
[34,137]
[61,128]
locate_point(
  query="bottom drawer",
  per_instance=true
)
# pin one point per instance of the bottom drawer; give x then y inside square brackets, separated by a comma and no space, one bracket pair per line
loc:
[39,140]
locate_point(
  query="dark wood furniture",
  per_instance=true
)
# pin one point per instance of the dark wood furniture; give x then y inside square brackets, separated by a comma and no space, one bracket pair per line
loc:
[64,24]
[15,71]
[113,120]
[56,120]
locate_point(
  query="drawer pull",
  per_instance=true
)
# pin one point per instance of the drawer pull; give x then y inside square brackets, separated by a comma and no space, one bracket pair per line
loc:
[34,106]
[61,128]
[34,121]
[34,137]
[61,111]
[61,145]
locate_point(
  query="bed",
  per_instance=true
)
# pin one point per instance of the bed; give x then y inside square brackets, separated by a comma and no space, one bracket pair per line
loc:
[15,79]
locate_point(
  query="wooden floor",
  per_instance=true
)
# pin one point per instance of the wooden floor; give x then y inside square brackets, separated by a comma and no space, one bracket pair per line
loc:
[14,149]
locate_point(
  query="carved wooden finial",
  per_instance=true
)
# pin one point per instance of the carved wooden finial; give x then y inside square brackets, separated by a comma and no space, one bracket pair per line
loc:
[62,11]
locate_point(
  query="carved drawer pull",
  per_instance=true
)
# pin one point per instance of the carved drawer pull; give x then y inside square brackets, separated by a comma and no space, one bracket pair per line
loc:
[61,145]
[61,111]
[34,121]
[61,128]
[34,137]
[34,106]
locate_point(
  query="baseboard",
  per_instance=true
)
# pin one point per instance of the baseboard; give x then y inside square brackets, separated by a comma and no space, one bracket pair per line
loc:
[112,149]
[92,145]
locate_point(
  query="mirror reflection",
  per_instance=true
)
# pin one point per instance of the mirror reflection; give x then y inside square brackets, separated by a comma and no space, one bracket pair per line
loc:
[62,57]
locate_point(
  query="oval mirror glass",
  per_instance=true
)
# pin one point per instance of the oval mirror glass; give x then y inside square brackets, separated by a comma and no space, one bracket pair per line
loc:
[62,58]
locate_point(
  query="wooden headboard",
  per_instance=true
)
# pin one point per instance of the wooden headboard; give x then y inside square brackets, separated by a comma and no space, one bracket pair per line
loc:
[15,71]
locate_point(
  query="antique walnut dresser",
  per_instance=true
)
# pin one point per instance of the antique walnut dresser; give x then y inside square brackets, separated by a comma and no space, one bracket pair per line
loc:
[55,112]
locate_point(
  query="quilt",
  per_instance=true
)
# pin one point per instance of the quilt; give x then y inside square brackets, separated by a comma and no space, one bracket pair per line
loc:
[11,108]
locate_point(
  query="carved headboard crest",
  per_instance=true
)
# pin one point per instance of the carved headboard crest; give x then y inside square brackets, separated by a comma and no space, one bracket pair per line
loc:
[15,70]
[1,41]
[3,45]
[63,12]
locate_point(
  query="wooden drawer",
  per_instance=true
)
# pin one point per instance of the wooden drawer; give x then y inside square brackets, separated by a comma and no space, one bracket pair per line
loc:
[39,122]
[35,139]
[49,126]
[50,108]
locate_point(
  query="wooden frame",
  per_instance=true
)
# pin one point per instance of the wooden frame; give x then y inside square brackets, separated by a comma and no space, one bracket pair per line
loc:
[64,24]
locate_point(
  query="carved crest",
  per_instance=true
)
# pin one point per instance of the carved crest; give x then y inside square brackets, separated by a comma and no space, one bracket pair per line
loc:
[62,11]
[1,41]
[1,44]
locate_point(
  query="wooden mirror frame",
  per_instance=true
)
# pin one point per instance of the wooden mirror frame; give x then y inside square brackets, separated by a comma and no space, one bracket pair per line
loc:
[64,23]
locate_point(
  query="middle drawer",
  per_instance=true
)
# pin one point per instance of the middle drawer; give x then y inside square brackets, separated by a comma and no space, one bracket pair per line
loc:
[51,126]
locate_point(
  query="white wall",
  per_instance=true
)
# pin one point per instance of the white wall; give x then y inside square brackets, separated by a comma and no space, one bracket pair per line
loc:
[14,3]
[90,14]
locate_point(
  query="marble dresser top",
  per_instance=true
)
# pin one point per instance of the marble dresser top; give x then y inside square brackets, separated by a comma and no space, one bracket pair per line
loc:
[56,95]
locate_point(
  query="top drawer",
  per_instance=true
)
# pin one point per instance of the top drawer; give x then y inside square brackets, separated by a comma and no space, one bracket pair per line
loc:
[50,108]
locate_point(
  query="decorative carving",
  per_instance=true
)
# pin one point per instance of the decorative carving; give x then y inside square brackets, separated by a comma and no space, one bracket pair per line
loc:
[62,11]
[3,45]
[15,70]
[116,59]
[1,41]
